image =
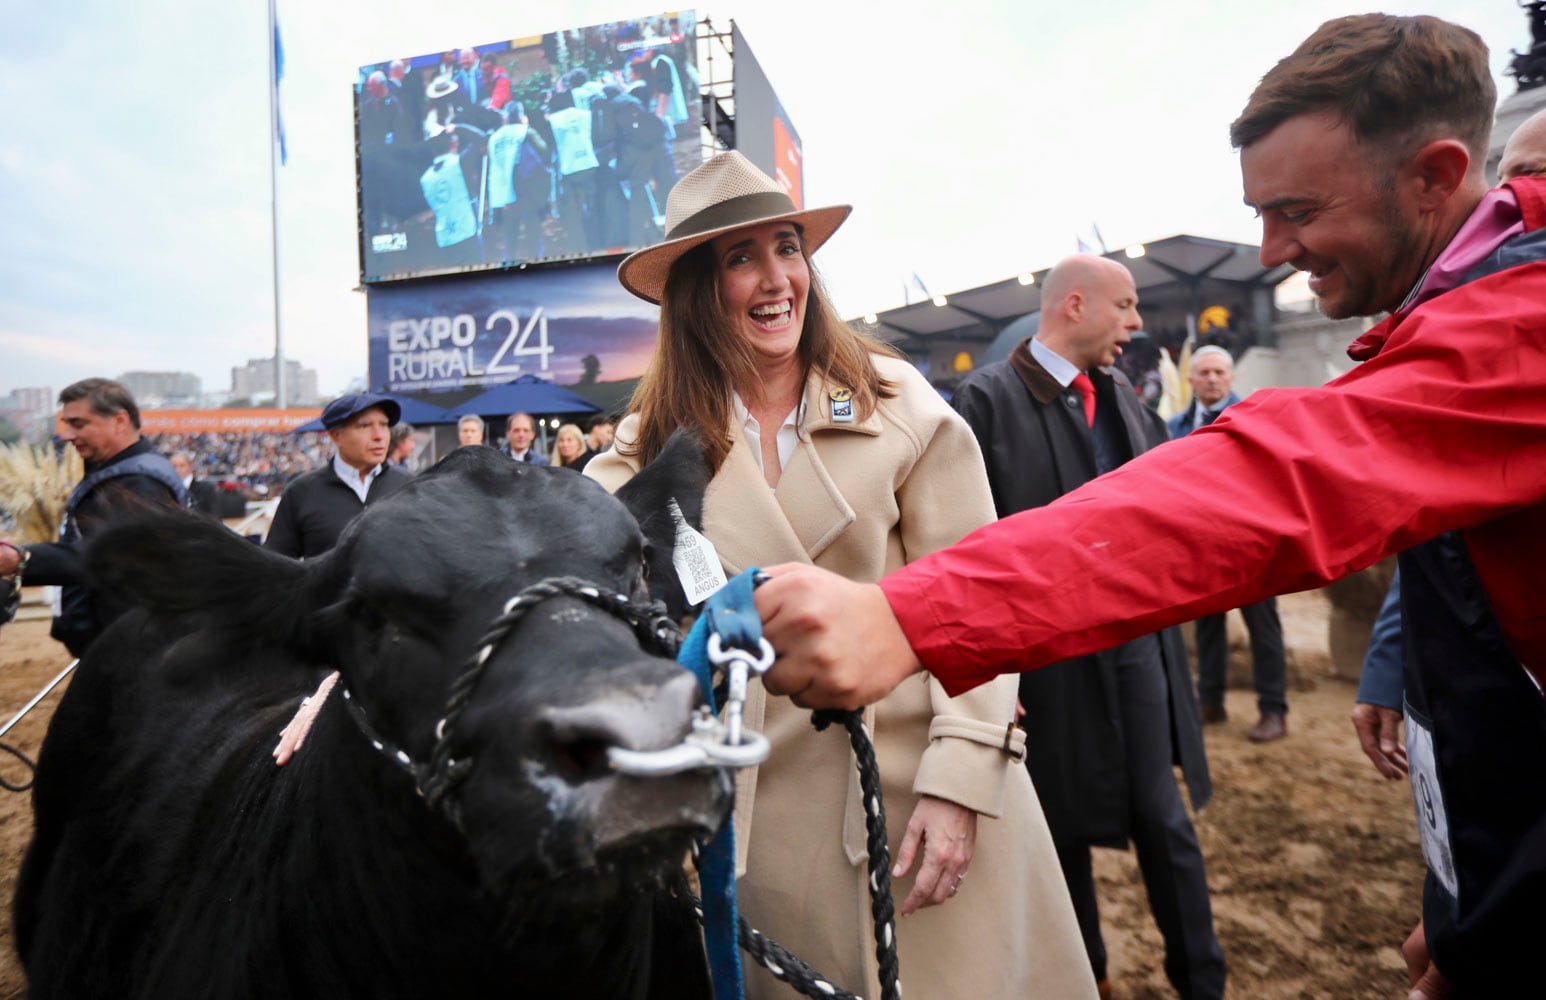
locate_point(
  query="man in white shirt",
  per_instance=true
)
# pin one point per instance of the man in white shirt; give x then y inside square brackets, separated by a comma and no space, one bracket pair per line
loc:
[317,506]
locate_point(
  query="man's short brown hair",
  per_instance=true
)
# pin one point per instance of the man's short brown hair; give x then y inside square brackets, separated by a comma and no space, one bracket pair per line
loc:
[105,397]
[1398,82]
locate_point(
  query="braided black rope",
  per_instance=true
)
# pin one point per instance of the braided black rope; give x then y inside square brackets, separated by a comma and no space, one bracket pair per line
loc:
[786,968]
[653,627]
[774,957]
[437,777]
[27,761]
[882,909]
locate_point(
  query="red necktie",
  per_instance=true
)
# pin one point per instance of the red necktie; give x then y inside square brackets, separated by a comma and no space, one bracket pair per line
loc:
[1087,390]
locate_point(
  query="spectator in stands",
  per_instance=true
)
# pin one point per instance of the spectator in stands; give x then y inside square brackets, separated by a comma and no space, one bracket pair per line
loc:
[257,462]
[316,507]
[203,495]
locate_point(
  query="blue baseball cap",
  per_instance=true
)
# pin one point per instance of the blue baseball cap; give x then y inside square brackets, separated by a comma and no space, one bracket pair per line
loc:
[346,408]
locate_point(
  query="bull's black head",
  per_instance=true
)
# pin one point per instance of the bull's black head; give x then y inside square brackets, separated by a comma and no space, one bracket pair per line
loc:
[399,608]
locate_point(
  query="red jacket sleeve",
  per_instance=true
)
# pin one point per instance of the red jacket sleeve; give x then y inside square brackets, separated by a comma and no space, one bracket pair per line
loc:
[1444,429]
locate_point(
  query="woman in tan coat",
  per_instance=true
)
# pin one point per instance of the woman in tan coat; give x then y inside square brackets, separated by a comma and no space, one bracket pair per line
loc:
[827,449]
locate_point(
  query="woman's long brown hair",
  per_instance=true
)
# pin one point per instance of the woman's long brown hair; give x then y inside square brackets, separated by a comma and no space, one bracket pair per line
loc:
[699,361]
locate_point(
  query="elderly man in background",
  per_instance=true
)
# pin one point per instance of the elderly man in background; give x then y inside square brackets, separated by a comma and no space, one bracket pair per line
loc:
[1363,152]
[317,506]
[1212,376]
[470,429]
[101,420]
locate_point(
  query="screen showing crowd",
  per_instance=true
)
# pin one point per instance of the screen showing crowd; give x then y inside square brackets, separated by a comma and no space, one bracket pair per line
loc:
[561,146]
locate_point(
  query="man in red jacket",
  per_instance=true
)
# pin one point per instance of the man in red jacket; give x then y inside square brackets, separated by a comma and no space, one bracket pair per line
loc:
[1363,154]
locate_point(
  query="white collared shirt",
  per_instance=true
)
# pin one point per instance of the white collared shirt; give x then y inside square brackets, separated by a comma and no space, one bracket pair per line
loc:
[790,432]
[350,475]
[1056,365]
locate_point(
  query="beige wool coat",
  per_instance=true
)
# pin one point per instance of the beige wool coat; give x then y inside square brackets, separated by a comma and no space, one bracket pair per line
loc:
[863,499]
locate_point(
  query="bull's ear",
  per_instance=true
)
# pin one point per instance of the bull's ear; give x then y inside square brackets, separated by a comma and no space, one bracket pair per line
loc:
[176,562]
[679,474]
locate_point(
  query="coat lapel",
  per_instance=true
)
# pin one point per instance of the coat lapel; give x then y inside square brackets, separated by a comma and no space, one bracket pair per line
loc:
[750,525]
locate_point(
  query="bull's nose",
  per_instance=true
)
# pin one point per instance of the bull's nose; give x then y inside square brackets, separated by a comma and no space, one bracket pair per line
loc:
[640,717]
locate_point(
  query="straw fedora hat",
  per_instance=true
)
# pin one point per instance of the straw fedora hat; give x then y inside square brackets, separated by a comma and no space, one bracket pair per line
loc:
[724,194]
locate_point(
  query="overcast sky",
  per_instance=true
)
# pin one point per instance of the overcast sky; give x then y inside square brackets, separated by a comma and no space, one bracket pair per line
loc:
[974,138]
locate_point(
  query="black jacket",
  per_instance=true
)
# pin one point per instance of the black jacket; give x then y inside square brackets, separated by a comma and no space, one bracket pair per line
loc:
[1037,448]
[317,505]
[204,497]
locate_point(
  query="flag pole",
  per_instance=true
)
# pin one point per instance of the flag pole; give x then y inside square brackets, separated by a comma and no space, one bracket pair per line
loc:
[275,146]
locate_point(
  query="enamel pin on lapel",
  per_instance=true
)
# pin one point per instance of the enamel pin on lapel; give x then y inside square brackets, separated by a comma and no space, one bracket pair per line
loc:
[842,406]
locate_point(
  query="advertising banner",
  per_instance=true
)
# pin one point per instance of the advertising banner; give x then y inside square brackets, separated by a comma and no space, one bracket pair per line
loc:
[224,421]
[573,326]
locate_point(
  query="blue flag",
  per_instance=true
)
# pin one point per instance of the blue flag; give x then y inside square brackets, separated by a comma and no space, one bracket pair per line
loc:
[279,72]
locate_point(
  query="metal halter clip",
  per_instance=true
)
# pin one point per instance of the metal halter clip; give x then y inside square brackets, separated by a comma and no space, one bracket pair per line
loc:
[739,664]
[705,746]
[712,742]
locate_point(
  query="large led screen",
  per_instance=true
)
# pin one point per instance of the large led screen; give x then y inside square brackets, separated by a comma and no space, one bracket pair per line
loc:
[763,132]
[555,147]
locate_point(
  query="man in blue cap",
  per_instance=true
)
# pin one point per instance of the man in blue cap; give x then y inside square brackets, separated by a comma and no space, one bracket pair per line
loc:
[316,506]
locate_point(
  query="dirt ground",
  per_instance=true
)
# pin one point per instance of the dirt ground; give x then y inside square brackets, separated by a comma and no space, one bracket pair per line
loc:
[1312,857]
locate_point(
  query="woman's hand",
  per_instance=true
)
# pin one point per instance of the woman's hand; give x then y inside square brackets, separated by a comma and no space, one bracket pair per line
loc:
[948,835]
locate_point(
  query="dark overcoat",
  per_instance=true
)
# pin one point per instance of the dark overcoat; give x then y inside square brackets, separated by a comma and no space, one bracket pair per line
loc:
[1037,447]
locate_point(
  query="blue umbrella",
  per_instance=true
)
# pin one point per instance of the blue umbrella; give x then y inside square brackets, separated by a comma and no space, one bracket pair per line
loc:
[527,394]
[413,411]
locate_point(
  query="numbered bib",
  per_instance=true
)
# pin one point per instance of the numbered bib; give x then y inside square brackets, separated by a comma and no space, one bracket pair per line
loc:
[1428,802]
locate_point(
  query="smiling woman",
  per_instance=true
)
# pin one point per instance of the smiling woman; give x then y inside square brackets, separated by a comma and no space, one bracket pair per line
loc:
[827,449]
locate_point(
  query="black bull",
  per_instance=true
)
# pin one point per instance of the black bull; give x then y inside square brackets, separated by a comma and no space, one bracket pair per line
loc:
[173,859]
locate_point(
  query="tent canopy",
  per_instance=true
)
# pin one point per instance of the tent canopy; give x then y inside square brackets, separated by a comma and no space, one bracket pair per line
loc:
[527,394]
